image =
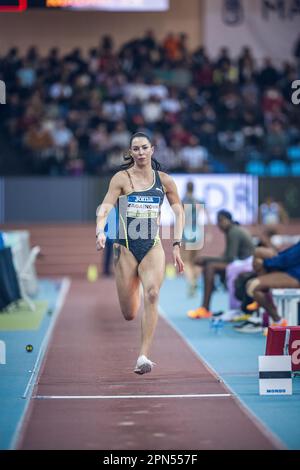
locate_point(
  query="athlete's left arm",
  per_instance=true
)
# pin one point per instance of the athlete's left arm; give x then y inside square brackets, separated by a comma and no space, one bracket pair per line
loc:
[176,205]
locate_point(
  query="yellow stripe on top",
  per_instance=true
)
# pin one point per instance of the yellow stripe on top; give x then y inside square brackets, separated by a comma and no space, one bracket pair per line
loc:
[157,238]
[125,231]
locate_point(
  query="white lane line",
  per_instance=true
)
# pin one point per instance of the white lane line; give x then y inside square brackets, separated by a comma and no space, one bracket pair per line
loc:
[66,283]
[109,397]
[59,304]
[257,421]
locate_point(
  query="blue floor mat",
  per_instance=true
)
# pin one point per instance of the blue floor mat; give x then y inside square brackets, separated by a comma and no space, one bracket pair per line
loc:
[15,375]
[234,357]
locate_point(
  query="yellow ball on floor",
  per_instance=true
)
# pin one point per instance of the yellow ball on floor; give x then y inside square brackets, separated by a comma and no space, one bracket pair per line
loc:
[170,271]
[92,273]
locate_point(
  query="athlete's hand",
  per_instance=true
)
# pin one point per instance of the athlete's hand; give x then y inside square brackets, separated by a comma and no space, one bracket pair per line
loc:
[177,259]
[100,241]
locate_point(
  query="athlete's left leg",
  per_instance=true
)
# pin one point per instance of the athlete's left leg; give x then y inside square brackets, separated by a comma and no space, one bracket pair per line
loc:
[151,271]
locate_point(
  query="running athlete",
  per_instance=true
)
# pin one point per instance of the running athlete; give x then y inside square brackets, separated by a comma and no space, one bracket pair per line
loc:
[138,191]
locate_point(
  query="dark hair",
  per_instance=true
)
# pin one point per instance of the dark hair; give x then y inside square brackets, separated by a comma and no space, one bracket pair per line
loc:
[224,213]
[129,162]
[227,215]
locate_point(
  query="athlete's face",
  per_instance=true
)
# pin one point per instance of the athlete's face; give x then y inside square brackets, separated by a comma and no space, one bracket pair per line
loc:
[141,151]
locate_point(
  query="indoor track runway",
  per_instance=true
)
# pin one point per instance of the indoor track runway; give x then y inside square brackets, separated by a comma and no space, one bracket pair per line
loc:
[87,396]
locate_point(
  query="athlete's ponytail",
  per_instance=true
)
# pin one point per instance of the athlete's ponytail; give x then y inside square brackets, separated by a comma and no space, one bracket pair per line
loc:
[129,162]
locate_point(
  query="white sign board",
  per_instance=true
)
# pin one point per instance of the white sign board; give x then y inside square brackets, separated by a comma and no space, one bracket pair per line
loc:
[237,193]
[2,352]
[275,375]
[268,31]
[114,5]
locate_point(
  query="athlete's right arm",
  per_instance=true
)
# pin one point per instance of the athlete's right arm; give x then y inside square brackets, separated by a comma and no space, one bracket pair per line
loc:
[109,201]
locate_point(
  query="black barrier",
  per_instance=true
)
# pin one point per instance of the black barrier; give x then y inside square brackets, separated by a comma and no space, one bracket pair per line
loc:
[9,286]
[69,199]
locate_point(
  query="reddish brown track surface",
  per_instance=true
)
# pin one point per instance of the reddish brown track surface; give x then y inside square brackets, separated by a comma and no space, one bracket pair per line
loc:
[92,352]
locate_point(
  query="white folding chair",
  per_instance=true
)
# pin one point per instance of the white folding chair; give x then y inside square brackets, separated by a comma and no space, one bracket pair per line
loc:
[287,301]
[25,274]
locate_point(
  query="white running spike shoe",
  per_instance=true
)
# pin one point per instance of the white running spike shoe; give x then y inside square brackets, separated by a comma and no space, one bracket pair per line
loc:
[143,365]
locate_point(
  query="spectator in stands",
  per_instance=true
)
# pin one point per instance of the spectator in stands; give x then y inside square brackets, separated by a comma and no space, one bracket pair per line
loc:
[225,73]
[195,157]
[172,48]
[152,111]
[268,75]
[158,89]
[120,136]
[223,58]
[39,140]
[61,89]
[246,66]
[140,84]
[208,126]
[250,95]
[27,75]
[231,142]
[272,103]
[272,213]
[53,58]
[170,156]
[171,103]
[98,146]
[239,245]
[13,113]
[276,141]
[252,129]
[198,57]
[180,134]
[204,74]
[100,140]
[114,159]
[62,136]
[114,109]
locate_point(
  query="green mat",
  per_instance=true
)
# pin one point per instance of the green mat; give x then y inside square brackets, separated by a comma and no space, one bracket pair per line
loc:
[22,318]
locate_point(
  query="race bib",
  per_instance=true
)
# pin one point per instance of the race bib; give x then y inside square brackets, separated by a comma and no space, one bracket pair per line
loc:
[144,207]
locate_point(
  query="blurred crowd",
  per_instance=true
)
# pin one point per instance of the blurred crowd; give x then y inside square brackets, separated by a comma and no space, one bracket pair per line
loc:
[74,113]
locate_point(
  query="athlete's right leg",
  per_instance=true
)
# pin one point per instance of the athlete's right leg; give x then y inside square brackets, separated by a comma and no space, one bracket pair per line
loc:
[127,281]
